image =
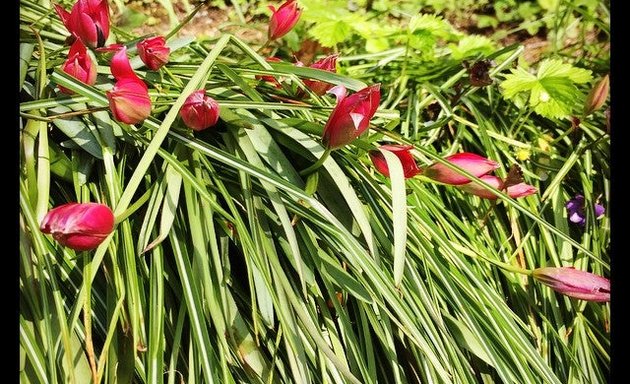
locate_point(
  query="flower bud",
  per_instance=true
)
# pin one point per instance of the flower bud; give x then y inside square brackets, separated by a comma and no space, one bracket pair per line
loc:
[80,226]
[574,283]
[403,152]
[597,97]
[351,116]
[328,63]
[514,191]
[88,21]
[199,111]
[153,52]
[79,65]
[283,19]
[129,99]
[470,162]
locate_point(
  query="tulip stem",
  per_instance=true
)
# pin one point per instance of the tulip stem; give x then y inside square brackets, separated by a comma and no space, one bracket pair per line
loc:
[262,47]
[317,164]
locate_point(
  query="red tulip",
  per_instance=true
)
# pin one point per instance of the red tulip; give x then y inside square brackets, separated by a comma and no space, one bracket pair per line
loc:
[199,111]
[129,99]
[470,162]
[79,65]
[328,63]
[79,226]
[351,116]
[88,20]
[403,152]
[574,283]
[269,78]
[514,191]
[283,19]
[153,52]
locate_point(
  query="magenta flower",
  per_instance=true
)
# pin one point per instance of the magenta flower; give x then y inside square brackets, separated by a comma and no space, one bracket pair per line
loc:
[283,19]
[79,65]
[351,116]
[328,63]
[129,99]
[199,111]
[472,163]
[153,52]
[403,152]
[88,21]
[514,191]
[574,283]
[577,214]
[269,78]
[80,226]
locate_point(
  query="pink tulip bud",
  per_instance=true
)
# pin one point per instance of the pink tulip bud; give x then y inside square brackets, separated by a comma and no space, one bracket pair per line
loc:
[88,21]
[129,99]
[597,97]
[403,152]
[351,116]
[283,19]
[269,78]
[574,283]
[79,65]
[199,111]
[514,191]
[329,64]
[470,162]
[153,52]
[79,226]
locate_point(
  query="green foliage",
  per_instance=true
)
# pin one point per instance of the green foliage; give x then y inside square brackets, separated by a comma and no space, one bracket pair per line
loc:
[552,92]
[226,265]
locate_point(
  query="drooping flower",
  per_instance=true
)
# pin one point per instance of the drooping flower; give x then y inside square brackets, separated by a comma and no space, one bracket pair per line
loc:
[88,20]
[79,65]
[514,191]
[351,116]
[403,152]
[129,99]
[574,283]
[199,111]
[80,226]
[283,19]
[153,52]
[470,162]
[577,213]
[328,63]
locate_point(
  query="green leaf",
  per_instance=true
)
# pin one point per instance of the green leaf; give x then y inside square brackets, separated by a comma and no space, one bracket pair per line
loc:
[552,91]
[472,45]
[78,132]
[331,32]
[399,210]
[466,338]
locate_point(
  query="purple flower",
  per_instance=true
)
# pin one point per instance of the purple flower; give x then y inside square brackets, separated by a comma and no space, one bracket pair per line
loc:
[575,208]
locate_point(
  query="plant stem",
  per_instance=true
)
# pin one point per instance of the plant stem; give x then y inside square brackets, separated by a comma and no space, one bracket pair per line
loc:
[87,315]
[317,164]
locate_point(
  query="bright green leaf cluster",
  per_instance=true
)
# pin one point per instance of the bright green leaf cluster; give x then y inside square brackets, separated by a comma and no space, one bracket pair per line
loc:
[552,92]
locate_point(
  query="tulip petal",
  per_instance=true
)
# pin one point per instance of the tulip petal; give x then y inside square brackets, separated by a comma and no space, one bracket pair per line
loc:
[120,66]
[339,91]
[357,118]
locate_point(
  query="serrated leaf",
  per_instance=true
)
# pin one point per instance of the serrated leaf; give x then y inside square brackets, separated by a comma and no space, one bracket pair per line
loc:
[552,91]
[472,45]
[430,23]
[330,33]
[556,68]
